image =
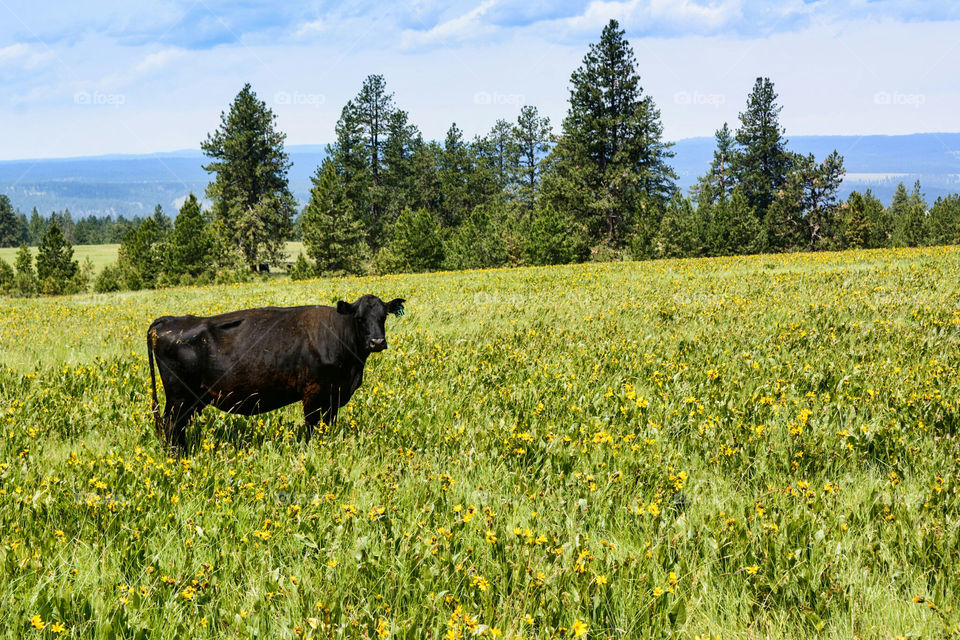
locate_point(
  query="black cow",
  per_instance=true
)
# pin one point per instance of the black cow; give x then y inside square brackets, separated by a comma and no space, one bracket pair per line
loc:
[258,360]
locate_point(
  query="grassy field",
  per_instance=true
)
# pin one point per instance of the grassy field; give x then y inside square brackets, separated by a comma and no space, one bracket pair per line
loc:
[745,448]
[103,254]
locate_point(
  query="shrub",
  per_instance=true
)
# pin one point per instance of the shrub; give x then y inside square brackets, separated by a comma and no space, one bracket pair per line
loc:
[302,269]
[108,280]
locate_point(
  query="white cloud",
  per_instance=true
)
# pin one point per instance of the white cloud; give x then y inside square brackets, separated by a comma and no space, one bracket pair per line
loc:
[469,26]
[14,51]
[310,28]
[158,60]
[23,56]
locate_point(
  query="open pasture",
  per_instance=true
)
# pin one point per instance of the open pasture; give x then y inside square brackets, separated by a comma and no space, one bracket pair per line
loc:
[101,255]
[741,447]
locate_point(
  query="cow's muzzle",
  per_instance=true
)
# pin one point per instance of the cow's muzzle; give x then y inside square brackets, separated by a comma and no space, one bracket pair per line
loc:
[377,344]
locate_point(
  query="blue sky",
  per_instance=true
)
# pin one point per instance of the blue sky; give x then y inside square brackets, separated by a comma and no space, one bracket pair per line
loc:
[105,76]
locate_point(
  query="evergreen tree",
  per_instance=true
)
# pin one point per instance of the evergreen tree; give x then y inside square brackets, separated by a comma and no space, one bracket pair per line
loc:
[163,221]
[477,243]
[349,157]
[717,185]
[57,271]
[454,170]
[109,279]
[943,223]
[64,220]
[332,234]
[190,244]
[140,256]
[734,227]
[252,204]
[762,161]
[38,226]
[909,213]
[483,185]
[679,235]
[504,153]
[11,232]
[803,213]
[416,244]
[25,281]
[6,277]
[403,141]
[373,108]
[611,152]
[302,269]
[531,137]
[426,192]
[856,224]
[551,237]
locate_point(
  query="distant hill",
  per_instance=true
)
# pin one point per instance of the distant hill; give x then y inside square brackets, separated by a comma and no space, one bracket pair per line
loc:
[133,184]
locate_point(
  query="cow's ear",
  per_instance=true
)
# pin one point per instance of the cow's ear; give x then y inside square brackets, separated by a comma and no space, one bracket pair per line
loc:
[346,308]
[395,306]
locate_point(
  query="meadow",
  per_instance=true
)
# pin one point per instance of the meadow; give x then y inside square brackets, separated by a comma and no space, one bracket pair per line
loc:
[743,447]
[100,255]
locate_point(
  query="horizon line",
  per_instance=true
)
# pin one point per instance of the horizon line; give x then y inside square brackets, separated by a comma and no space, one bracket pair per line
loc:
[173,152]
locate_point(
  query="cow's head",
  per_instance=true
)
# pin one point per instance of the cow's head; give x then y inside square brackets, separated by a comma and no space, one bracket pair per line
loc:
[370,313]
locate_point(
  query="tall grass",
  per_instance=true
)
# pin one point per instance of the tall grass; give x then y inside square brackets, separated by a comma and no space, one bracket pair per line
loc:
[742,447]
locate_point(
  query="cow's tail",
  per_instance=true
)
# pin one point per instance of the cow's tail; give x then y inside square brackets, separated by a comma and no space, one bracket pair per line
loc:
[154,404]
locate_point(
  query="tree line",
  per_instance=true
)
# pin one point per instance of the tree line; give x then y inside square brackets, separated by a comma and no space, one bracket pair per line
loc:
[600,188]
[17,228]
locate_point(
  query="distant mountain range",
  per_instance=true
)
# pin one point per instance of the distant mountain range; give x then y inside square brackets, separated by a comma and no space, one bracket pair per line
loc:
[132,185]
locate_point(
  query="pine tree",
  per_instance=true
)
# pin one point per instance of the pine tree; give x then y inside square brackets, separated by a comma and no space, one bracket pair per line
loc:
[25,280]
[163,221]
[718,183]
[302,269]
[611,152]
[943,223]
[735,228]
[679,236]
[803,213]
[140,257]
[252,204]
[454,168]
[504,153]
[403,141]
[551,237]
[477,244]
[909,213]
[38,226]
[189,248]
[56,268]
[11,233]
[332,234]
[416,244]
[880,220]
[373,108]
[762,161]
[531,138]
[6,276]
[856,225]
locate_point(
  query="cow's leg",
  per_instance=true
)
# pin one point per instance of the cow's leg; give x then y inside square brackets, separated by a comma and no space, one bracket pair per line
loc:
[180,419]
[182,404]
[316,406]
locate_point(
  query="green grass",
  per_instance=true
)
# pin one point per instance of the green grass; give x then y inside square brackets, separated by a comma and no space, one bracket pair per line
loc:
[103,254]
[742,447]
[100,254]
